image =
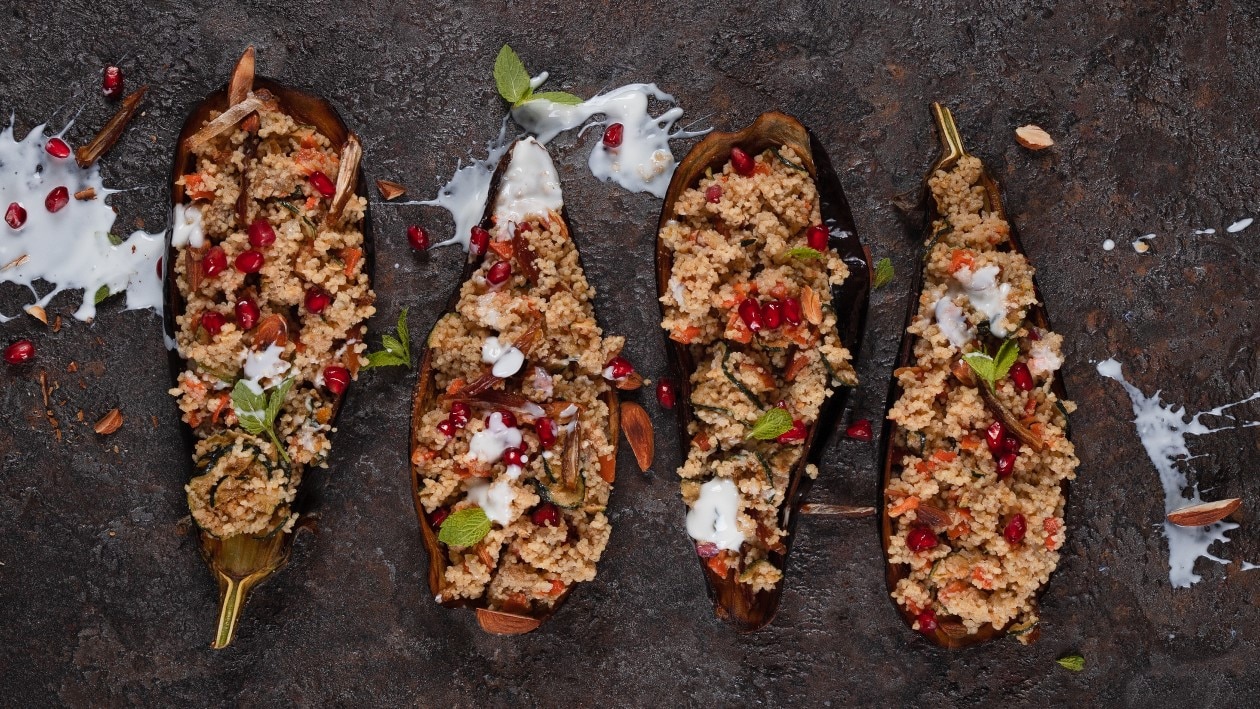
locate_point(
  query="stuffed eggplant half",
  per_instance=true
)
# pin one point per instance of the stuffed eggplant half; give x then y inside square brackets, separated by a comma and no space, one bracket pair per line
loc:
[266,295]
[514,425]
[977,458]
[763,287]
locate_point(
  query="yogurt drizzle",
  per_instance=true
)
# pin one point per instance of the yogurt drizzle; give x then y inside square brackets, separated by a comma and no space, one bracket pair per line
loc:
[715,516]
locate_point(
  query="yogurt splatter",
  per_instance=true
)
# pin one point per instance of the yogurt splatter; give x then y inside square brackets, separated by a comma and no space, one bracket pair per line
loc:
[1239,225]
[1108,245]
[1163,430]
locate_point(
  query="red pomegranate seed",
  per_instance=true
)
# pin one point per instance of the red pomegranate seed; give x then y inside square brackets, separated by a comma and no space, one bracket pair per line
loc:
[213,322]
[1021,377]
[1006,465]
[460,414]
[514,456]
[507,417]
[19,351]
[620,367]
[57,148]
[261,234]
[816,237]
[792,311]
[795,434]
[322,184]
[336,378]
[15,216]
[112,81]
[750,313]
[665,395]
[417,237]
[478,241]
[613,134]
[214,262]
[545,515]
[446,427]
[159,267]
[1010,444]
[58,198]
[921,538]
[742,162]
[993,436]
[927,621]
[246,314]
[249,261]
[772,314]
[1034,334]
[546,430]
[713,194]
[317,299]
[499,272]
[860,430]
[1016,528]
[438,516]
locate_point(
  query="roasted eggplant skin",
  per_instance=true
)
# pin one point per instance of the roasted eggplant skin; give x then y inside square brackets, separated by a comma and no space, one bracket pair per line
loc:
[259,557]
[424,398]
[732,601]
[952,149]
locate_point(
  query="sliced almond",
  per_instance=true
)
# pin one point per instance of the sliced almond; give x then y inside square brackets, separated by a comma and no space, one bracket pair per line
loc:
[347,177]
[87,155]
[963,373]
[1033,137]
[273,330]
[109,423]
[632,381]
[952,628]
[38,313]
[811,306]
[86,194]
[500,623]
[846,511]
[1204,513]
[637,426]
[16,262]
[931,515]
[390,190]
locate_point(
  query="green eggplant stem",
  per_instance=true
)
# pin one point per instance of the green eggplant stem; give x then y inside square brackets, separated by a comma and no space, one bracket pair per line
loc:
[231,599]
[951,140]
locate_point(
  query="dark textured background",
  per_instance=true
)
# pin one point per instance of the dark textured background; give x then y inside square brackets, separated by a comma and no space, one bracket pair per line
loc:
[106,602]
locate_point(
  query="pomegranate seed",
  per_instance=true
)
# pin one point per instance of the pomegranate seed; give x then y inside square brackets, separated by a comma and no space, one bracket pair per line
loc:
[795,434]
[772,314]
[214,262]
[792,311]
[15,216]
[545,515]
[514,456]
[750,313]
[246,314]
[1034,334]
[507,417]
[460,414]
[1021,377]
[478,241]
[20,351]
[613,134]
[499,272]
[417,237]
[713,194]
[619,367]
[58,198]
[1006,465]
[860,430]
[707,550]
[921,538]
[57,148]
[261,234]
[446,427]
[213,322]
[927,621]
[546,430]
[742,162]
[816,237]
[159,267]
[322,184]
[438,516]
[1016,528]
[993,436]
[336,378]
[249,261]
[1010,444]
[317,300]
[665,393]
[112,81]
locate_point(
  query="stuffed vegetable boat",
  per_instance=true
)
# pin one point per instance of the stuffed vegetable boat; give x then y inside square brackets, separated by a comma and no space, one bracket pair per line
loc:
[763,287]
[267,295]
[977,458]
[515,416]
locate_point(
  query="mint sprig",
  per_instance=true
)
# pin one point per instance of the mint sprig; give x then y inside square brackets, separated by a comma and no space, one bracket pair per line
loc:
[397,348]
[464,528]
[804,252]
[993,368]
[771,425]
[512,80]
[257,412]
[1073,662]
[883,273]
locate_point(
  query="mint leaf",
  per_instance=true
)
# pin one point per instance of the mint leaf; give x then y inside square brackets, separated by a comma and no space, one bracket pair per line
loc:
[510,76]
[404,334]
[564,98]
[1006,356]
[384,359]
[392,345]
[1076,663]
[115,239]
[982,364]
[804,252]
[883,273]
[771,425]
[397,349]
[276,400]
[464,528]
[256,414]
[101,294]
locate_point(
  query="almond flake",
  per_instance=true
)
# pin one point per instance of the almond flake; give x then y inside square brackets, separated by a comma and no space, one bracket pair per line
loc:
[846,511]
[38,313]
[86,194]
[1204,513]
[390,190]
[932,516]
[109,423]
[1033,137]
[637,426]
[811,306]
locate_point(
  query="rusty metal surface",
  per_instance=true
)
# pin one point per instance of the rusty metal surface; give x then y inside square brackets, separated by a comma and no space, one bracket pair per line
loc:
[106,602]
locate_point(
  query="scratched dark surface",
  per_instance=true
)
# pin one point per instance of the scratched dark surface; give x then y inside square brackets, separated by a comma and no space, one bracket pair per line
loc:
[106,602]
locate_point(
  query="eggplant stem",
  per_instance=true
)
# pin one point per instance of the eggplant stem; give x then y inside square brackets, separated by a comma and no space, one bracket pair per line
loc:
[951,140]
[231,600]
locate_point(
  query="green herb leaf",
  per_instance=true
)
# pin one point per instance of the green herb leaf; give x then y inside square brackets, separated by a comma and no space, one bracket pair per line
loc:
[804,252]
[101,294]
[771,425]
[1076,663]
[256,414]
[115,239]
[883,273]
[465,527]
[510,76]
[397,349]
[404,334]
[275,401]
[982,365]
[564,98]
[789,163]
[1006,356]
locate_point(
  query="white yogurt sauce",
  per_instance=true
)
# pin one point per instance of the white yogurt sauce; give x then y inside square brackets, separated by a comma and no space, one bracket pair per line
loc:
[1239,225]
[495,500]
[529,186]
[466,193]
[987,296]
[715,516]
[1205,231]
[1042,359]
[69,248]
[1163,430]
[1108,245]
[187,230]
[488,445]
[949,318]
[267,364]
[506,360]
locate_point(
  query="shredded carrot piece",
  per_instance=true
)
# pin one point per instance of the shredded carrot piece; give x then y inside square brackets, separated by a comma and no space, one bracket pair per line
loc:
[981,580]
[308,140]
[736,330]
[958,530]
[925,466]
[224,400]
[910,503]
[351,256]
[702,442]
[960,259]
[1039,430]
[503,249]
[970,443]
[685,335]
[454,387]
[717,564]
[557,587]
[945,456]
